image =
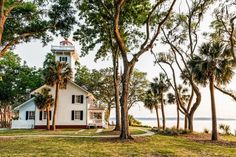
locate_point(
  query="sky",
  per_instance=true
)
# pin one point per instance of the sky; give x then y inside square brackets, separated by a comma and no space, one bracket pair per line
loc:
[34,54]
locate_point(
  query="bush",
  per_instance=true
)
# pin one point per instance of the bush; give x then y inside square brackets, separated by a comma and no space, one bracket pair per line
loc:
[170,131]
[206,131]
[133,121]
[225,128]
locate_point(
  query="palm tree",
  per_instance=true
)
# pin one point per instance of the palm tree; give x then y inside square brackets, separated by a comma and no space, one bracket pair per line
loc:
[171,99]
[213,65]
[57,74]
[161,85]
[151,101]
[44,100]
[183,96]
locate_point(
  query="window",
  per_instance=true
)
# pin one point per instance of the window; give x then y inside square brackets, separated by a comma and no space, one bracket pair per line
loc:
[77,99]
[75,114]
[30,115]
[95,115]
[43,115]
[63,59]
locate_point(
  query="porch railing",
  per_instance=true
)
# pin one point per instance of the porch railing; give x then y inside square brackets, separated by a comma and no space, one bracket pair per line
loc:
[95,121]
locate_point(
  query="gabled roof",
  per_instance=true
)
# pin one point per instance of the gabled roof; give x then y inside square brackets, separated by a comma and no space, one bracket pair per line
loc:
[81,88]
[87,92]
[18,107]
[38,89]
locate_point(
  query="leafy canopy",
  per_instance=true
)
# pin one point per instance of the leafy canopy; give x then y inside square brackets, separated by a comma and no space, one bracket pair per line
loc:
[26,20]
[215,60]
[17,80]
[96,30]
[55,72]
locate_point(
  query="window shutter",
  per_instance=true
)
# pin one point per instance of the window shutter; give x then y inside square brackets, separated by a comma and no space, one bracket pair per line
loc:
[81,115]
[50,115]
[72,115]
[26,115]
[73,99]
[40,115]
[81,99]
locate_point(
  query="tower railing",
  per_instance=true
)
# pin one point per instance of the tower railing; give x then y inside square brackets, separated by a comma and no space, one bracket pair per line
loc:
[63,48]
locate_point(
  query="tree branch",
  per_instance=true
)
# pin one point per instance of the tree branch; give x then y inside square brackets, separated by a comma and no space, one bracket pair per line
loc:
[150,45]
[232,39]
[119,39]
[226,92]
[106,9]
[14,41]
[15,4]
[148,22]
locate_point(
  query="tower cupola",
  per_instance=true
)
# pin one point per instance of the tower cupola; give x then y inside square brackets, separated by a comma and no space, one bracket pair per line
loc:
[65,52]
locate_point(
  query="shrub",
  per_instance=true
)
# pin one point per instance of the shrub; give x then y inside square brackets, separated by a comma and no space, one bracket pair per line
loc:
[133,121]
[225,128]
[206,131]
[170,131]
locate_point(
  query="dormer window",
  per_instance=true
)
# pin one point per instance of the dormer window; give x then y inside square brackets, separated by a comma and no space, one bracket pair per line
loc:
[63,59]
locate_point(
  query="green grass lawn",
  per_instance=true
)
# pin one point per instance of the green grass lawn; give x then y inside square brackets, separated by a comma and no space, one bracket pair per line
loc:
[229,138]
[157,145]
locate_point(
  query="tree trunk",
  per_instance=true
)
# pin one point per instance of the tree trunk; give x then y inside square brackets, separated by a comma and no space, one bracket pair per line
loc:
[55,107]
[213,110]
[9,116]
[2,23]
[177,121]
[5,116]
[117,102]
[107,114]
[232,38]
[158,119]
[185,122]
[1,116]
[125,134]
[116,81]
[190,123]
[48,118]
[195,105]
[188,108]
[163,113]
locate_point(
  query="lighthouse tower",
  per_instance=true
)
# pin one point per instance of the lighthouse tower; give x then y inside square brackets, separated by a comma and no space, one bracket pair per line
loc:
[65,52]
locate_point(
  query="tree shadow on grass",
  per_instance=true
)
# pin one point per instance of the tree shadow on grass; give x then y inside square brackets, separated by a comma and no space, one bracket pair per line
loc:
[118,140]
[206,139]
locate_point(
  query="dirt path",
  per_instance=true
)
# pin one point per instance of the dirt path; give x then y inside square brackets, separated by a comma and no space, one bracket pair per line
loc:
[99,131]
[147,133]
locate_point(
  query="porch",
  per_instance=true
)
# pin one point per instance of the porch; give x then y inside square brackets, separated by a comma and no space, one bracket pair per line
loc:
[22,124]
[96,118]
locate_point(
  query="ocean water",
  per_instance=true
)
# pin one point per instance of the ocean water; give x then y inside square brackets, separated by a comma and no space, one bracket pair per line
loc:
[199,124]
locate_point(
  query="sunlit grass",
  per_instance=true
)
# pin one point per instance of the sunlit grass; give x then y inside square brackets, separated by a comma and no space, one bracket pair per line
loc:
[229,138]
[157,145]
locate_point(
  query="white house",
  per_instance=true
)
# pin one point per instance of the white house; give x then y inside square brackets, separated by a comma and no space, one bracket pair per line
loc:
[77,107]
